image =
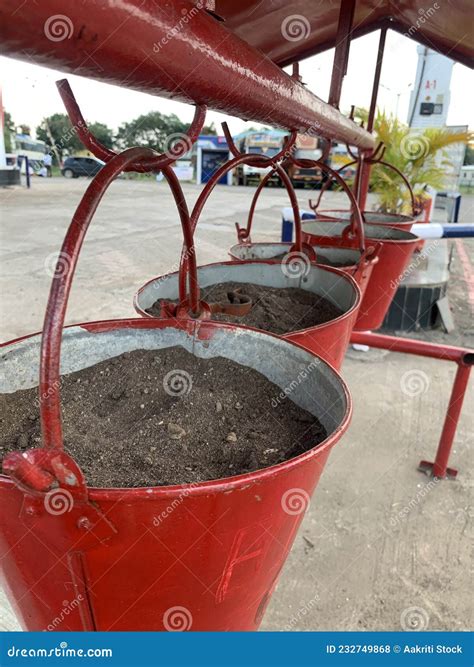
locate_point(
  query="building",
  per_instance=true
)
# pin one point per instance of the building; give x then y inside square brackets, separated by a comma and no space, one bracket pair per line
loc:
[466,177]
[429,101]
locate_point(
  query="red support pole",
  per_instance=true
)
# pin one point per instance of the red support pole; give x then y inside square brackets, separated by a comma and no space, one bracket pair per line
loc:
[440,466]
[363,173]
[341,54]
[464,358]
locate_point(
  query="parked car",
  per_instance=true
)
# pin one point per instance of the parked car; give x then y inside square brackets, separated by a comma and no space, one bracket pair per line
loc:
[76,166]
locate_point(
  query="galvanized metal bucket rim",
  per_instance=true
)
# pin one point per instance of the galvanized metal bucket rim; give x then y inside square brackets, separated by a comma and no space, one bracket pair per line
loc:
[222,485]
[349,279]
[405,236]
[398,218]
[289,245]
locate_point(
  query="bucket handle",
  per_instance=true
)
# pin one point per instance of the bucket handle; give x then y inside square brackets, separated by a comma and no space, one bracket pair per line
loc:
[298,246]
[49,388]
[263,161]
[357,231]
[416,208]
[243,235]
[155,163]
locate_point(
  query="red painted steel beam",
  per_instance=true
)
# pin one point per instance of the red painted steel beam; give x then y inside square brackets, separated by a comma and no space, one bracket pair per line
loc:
[364,169]
[341,54]
[421,348]
[173,49]
[463,357]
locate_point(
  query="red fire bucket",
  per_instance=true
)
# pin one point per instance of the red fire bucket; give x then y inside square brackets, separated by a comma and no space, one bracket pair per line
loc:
[352,261]
[396,220]
[328,340]
[202,556]
[396,247]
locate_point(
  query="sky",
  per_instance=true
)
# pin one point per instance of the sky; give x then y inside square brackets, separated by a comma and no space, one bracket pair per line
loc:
[29,91]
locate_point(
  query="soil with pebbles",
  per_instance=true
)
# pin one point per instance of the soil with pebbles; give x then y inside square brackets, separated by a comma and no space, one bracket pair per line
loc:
[155,418]
[277,310]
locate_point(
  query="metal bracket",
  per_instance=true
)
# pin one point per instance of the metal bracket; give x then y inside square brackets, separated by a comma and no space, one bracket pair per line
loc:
[54,485]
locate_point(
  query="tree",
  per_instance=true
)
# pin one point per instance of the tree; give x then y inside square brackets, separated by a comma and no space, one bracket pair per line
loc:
[209,129]
[420,156]
[25,129]
[103,133]
[153,130]
[59,134]
[8,131]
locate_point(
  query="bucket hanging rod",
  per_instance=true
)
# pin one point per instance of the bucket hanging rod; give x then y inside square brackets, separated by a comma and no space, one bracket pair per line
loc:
[175,50]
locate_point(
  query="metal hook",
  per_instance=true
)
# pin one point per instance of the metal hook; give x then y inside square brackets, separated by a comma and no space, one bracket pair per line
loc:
[282,155]
[102,153]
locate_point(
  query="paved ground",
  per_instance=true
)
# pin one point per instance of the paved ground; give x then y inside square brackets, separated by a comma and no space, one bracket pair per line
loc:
[381,545]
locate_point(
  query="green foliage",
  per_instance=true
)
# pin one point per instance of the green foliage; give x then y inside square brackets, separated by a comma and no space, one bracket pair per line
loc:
[209,129]
[152,130]
[58,133]
[103,133]
[419,155]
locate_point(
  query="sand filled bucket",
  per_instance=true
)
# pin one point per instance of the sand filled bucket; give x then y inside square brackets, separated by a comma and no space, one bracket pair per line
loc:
[396,247]
[309,304]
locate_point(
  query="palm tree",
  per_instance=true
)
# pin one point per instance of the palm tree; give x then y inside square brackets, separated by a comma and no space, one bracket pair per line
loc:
[420,156]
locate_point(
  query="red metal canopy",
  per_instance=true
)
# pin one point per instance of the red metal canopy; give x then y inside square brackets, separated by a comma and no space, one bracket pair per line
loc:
[177,49]
[445,25]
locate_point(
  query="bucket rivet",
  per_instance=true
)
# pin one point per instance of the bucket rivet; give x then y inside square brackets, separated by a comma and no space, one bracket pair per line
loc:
[84,523]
